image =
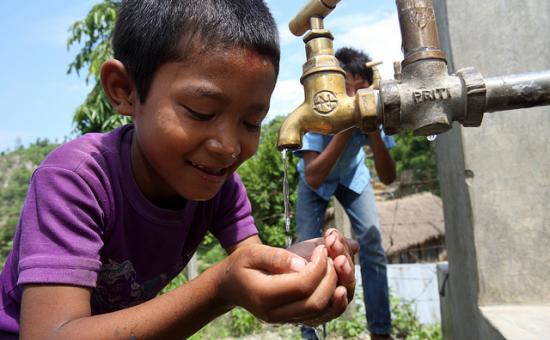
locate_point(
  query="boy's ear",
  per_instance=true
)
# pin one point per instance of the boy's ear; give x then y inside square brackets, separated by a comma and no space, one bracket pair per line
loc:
[118,86]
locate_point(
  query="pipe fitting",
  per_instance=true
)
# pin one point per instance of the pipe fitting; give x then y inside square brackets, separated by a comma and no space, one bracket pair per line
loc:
[368,103]
[475,93]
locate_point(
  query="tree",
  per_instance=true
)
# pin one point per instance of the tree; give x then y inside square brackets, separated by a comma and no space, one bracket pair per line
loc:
[93,34]
[415,153]
[16,168]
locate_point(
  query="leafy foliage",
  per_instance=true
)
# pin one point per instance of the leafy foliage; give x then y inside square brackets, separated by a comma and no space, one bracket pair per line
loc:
[242,322]
[414,153]
[210,252]
[93,34]
[406,326]
[348,328]
[239,323]
[16,168]
[175,283]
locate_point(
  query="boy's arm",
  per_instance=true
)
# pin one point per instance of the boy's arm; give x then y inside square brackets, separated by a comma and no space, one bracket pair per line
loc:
[254,239]
[272,283]
[383,163]
[318,165]
[63,312]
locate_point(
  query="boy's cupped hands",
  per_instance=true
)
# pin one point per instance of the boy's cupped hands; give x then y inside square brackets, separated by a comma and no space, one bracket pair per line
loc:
[340,249]
[310,283]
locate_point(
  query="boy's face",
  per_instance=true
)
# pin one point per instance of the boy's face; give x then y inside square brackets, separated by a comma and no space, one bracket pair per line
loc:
[355,83]
[200,121]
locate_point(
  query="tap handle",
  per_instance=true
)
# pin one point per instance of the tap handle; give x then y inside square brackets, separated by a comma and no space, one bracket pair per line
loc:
[376,78]
[397,70]
[372,64]
[314,8]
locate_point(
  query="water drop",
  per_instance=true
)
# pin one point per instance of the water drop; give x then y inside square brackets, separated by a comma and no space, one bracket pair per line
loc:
[431,138]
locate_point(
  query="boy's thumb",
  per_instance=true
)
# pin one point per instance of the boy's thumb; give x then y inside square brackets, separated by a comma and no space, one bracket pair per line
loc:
[297,263]
[277,260]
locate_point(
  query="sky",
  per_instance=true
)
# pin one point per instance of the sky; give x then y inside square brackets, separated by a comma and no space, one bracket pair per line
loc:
[38,98]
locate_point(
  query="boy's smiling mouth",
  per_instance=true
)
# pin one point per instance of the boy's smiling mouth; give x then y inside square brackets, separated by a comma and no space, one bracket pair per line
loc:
[217,172]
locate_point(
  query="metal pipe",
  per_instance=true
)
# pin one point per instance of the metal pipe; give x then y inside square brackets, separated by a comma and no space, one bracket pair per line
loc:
[419,31]
[517,91]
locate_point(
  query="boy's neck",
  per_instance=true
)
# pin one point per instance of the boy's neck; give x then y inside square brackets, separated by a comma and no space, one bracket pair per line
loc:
[173,203]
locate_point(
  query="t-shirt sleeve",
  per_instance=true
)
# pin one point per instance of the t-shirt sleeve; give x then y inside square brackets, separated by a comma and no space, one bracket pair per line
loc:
[311,142]
[60,230]
[388,140]
[233,221]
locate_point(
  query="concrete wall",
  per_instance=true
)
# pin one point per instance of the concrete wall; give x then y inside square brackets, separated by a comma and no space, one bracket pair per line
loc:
[495,179]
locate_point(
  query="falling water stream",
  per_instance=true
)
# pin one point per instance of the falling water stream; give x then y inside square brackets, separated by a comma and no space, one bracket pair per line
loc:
[319,330]
[286,194]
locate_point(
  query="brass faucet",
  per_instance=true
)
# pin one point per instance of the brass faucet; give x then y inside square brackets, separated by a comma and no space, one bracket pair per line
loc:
[423,96]
[326,107]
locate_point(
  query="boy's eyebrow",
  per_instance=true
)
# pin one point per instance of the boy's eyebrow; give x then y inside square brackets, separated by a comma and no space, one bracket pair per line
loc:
[204,91]
[220,96]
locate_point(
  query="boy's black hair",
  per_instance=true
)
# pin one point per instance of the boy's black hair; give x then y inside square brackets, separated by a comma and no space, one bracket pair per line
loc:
[148,32]
[353,61]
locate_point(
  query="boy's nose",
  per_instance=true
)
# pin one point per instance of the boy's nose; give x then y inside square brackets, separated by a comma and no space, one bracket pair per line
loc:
[224,146]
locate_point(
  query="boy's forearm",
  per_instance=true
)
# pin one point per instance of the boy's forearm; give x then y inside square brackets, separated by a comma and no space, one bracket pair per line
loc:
[319,168]
[383,163]
[174,315]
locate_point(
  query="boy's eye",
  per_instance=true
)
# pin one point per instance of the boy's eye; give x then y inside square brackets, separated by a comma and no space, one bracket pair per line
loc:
[252,127]
[199,116]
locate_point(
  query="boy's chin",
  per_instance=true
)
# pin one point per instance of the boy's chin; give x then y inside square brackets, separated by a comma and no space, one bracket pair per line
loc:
[200,196]
[201,199]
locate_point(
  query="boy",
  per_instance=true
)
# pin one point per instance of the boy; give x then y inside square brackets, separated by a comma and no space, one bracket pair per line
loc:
[110,218]
[335,166]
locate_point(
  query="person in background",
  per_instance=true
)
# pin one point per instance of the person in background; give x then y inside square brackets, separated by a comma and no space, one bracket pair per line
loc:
[335,166]
[111,218]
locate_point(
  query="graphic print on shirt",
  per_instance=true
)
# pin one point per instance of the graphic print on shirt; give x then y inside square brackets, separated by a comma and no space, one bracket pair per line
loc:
[117,287]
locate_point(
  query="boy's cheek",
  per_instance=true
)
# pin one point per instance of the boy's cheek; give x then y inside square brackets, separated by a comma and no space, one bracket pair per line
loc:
[253,150]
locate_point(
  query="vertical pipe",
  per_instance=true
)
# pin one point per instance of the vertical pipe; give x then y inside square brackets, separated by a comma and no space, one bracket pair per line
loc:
[418,31]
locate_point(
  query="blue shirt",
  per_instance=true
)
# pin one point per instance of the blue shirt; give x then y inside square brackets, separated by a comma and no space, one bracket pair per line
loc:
[350,169]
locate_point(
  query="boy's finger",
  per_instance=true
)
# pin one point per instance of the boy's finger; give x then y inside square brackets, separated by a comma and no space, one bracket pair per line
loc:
[313,306]
[295,313]
[338,244]
[275,260]
[338,306]
[340,250]
[353,245]
[346,275]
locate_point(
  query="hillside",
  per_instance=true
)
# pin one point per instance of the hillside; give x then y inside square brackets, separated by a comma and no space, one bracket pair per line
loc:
[16,168]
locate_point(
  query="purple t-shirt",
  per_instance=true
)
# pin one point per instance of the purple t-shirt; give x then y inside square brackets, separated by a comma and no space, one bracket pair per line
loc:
[85,222]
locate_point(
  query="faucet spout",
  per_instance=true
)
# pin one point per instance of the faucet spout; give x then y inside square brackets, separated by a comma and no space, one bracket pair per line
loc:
[291,131]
